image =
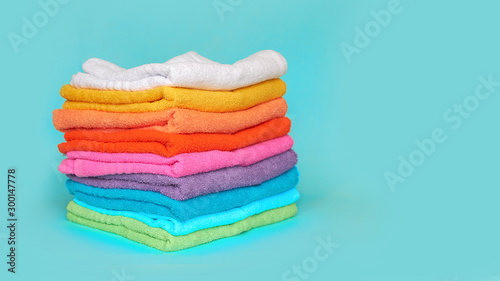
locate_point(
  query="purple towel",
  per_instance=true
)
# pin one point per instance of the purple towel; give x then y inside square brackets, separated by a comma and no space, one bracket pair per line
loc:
[200,184]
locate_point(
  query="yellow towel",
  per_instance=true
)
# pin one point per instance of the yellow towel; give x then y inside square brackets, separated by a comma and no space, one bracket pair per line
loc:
[162,98]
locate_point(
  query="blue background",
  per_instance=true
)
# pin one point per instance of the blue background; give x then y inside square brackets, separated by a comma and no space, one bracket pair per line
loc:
[351,121]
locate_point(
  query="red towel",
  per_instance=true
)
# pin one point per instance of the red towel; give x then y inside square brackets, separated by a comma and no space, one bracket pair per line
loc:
[167,144]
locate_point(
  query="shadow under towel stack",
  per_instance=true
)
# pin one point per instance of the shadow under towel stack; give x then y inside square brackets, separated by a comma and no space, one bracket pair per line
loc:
[177,154]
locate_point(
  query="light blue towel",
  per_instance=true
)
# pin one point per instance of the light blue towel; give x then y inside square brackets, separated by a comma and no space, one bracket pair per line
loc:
[177,228]
[155,203]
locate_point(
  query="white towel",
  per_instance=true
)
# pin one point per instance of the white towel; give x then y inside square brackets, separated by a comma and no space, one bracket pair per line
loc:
[189,70]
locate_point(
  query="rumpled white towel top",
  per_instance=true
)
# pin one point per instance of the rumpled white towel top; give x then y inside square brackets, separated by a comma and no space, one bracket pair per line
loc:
[189,70]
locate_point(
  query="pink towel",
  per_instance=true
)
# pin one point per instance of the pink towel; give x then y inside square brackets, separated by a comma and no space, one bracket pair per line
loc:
[89,164]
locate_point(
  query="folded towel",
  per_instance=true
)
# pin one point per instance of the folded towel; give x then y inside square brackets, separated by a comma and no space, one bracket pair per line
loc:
[89,163]
[162,240]
[156,203]
[177,228]
[212,101]
[179,97]
[198,184]
[174,120]
[168,145]
[189,70]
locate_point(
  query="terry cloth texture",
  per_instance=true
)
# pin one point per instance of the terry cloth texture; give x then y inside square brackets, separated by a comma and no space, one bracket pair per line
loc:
[178,96]
[198,184]
[202,100]
[174,120]
[162,240]
[89,163]
[168,145]
[189,70]
[158,204]
[177,228]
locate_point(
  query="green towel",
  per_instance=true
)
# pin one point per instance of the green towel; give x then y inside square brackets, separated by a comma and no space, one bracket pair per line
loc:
[160,239]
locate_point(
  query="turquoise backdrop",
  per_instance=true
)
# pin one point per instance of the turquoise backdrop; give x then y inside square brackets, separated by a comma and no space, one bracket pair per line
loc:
[393,107]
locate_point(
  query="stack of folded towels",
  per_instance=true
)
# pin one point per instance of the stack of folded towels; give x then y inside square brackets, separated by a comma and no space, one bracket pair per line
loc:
[181,153]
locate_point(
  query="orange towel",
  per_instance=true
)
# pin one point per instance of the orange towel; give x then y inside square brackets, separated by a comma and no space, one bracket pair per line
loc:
[175,120]
[168,145]
[162,98]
